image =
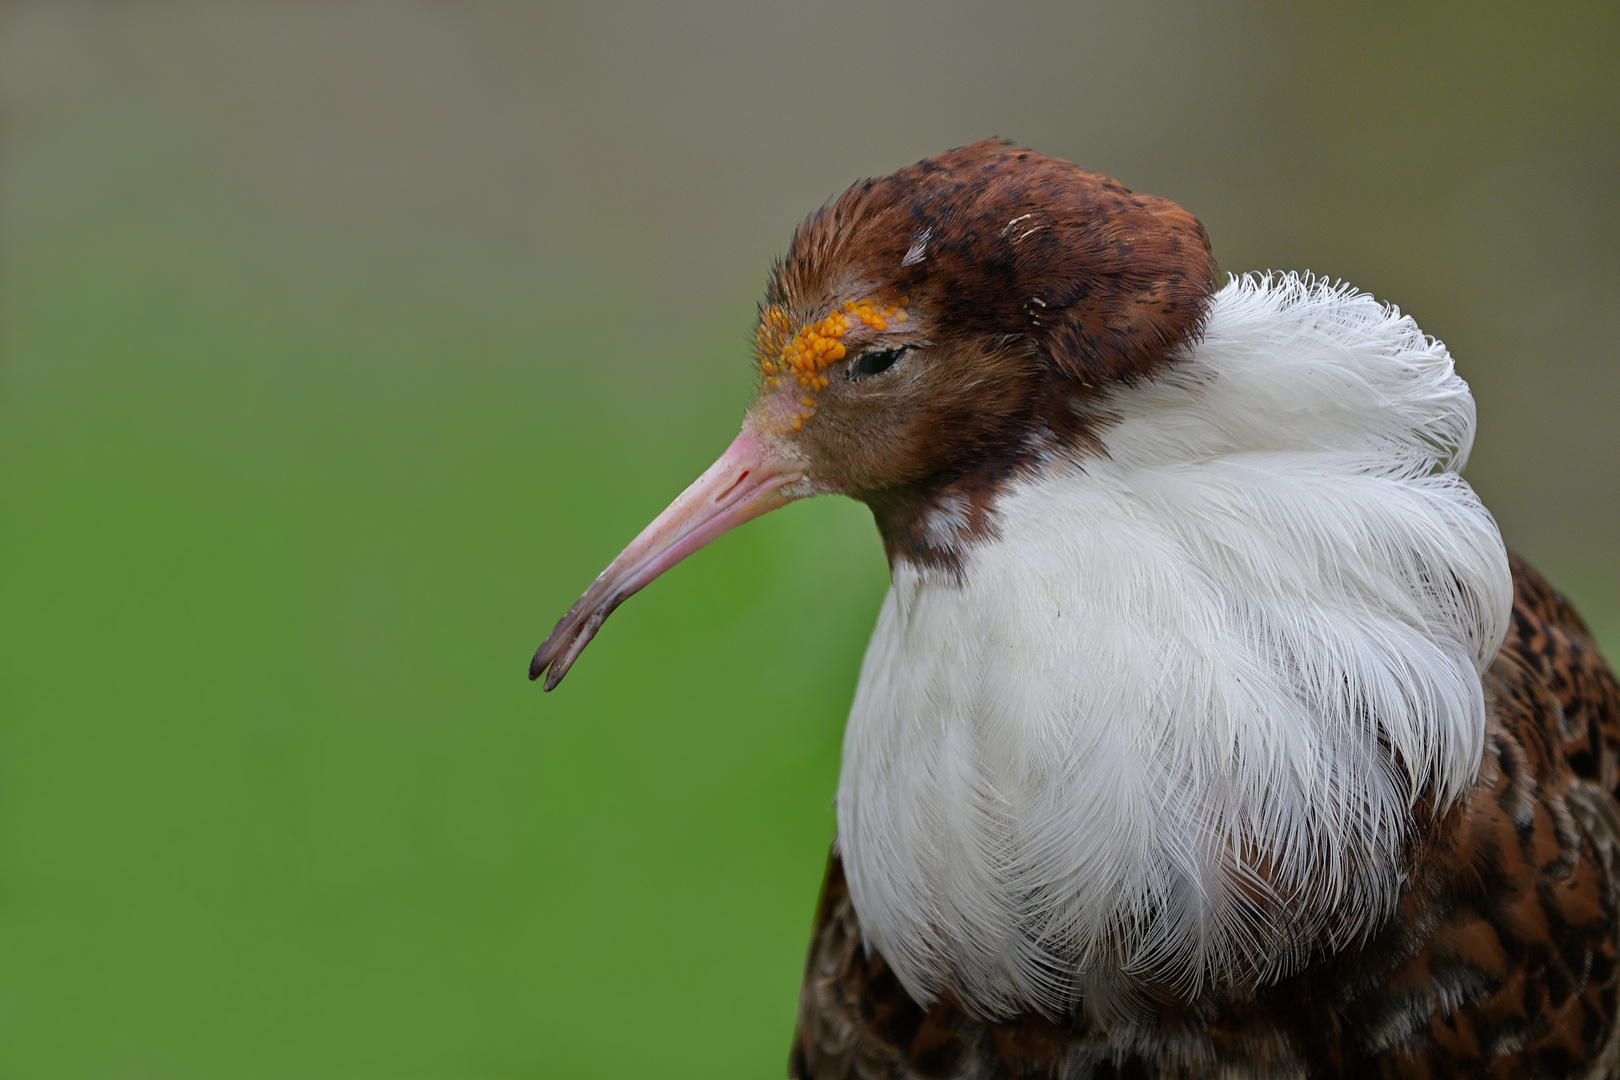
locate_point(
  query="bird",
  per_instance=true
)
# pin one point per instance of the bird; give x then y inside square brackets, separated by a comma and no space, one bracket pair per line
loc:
[1208,727]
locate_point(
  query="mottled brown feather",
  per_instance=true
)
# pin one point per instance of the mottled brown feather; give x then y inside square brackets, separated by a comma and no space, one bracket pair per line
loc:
[1501,961]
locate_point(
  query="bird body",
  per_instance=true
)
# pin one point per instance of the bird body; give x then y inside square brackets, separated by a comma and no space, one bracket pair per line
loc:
[1251,624]
[1208,728]
[1498,960]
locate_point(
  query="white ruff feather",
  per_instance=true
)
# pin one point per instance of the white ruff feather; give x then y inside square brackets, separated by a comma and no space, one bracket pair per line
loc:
[1171,722]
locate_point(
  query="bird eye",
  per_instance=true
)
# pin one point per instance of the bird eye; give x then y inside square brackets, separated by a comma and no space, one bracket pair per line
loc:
[873,362]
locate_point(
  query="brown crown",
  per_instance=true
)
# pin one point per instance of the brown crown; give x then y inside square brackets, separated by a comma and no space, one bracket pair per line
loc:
[996,240]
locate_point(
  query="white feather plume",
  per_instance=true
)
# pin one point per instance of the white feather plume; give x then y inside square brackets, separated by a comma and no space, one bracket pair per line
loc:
[1172,721]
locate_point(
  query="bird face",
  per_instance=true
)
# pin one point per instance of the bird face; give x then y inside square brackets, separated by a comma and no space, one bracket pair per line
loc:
[892,404]
[928,336]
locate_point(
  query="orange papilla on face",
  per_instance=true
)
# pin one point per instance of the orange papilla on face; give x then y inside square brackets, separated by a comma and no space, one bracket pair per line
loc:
[805,354]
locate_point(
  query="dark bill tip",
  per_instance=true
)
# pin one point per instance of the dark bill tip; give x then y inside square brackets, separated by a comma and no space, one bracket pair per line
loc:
[568,639]
[744,483]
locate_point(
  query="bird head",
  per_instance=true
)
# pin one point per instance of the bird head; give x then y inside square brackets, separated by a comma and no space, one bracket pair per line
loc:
[927,336]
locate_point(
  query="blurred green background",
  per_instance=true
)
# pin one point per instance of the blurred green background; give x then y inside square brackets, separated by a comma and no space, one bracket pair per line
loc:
[342,344]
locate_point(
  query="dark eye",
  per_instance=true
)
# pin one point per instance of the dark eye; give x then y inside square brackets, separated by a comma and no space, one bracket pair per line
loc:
[873,362]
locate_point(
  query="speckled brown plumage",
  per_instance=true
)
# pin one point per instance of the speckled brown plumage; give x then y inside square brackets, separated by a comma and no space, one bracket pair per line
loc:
[1501,962]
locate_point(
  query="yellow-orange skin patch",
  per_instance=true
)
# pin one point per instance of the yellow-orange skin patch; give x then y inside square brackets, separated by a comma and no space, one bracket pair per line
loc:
[805,354]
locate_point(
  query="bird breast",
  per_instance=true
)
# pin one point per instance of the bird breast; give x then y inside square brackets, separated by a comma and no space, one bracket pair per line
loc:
[1171,719]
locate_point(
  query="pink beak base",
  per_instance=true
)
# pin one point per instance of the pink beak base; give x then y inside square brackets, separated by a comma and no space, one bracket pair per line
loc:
[744,483]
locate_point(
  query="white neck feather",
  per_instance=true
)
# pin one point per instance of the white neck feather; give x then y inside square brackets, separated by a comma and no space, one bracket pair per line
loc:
[1171,722]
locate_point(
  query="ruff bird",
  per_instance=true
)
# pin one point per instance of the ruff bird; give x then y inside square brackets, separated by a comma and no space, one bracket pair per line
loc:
[1208,728]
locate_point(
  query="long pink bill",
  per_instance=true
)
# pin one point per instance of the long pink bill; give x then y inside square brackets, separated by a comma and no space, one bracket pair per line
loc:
[744,483]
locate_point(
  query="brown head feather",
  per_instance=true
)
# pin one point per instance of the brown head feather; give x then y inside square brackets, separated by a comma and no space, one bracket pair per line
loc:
[1025,287]
[1008,242]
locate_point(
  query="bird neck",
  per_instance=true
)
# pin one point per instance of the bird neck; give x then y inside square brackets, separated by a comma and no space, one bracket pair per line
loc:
[1175,715]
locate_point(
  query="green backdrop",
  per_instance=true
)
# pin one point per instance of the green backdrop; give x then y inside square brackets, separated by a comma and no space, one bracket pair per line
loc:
[342,345]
